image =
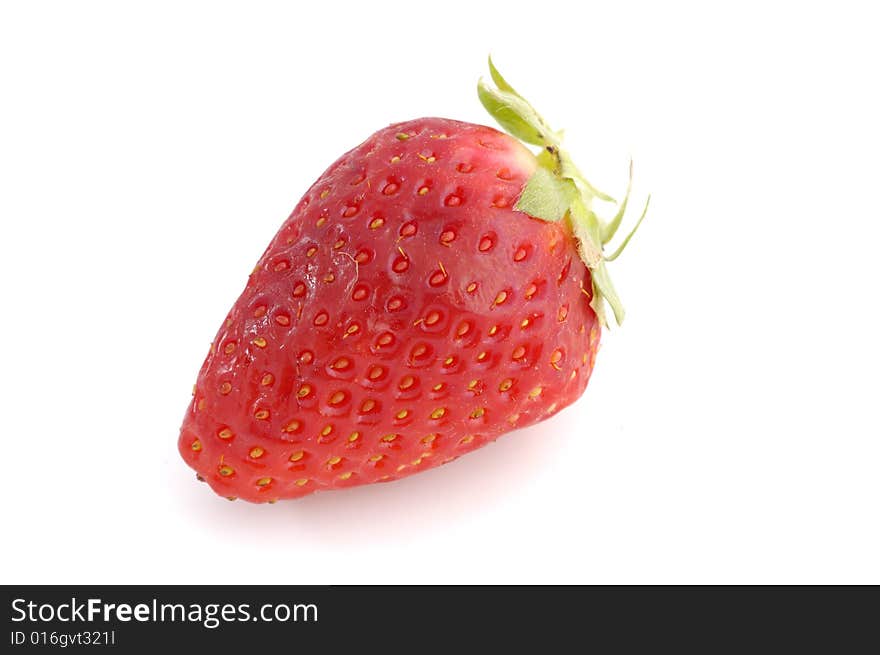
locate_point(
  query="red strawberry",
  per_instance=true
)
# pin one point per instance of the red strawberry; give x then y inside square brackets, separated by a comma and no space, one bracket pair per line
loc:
[412,308]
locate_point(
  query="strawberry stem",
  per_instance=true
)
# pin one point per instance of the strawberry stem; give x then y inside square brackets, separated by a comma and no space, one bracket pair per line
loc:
[557,190]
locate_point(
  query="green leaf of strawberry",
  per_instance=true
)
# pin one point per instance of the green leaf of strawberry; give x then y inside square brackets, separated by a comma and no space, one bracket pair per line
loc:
[558,189]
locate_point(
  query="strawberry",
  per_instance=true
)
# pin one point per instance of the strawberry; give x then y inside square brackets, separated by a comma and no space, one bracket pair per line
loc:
[437,287]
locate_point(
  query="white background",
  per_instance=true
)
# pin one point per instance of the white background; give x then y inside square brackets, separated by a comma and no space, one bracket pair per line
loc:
[149,151]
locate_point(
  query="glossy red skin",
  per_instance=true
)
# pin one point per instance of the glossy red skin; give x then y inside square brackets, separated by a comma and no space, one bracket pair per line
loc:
[366,257]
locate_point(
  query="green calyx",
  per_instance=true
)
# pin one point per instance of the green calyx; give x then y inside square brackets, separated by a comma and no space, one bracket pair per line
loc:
[558,191]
